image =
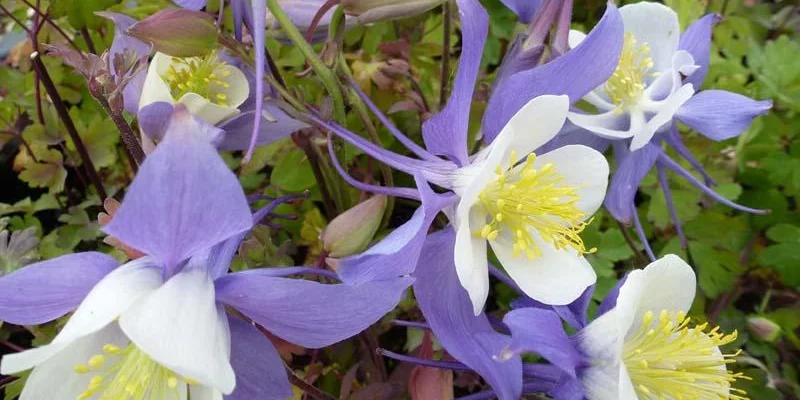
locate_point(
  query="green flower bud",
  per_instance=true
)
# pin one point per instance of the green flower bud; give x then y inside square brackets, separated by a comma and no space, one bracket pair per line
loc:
[351,232]
[367,11]
[177,32]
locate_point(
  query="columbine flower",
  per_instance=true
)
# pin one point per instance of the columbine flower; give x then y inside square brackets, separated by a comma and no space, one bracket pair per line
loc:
[156,327]
[641,346]
[209,87]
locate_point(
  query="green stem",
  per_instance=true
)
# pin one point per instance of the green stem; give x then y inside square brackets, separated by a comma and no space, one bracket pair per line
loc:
[325,74]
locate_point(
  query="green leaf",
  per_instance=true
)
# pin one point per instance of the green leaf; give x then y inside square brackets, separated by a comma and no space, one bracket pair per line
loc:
[48,173]
[785,259]
[293,172]
[717,269]
[685,202]
[784,233]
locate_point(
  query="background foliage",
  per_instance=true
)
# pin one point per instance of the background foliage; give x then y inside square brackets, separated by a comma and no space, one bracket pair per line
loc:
[748,266]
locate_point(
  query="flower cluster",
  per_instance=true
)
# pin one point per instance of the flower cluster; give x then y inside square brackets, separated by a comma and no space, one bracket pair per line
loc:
[174,321]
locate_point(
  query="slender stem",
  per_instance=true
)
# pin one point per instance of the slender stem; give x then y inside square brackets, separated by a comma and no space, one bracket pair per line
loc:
[629,240]
[132,145]
[445,76]
[58,103]
[53,24]
[16,21]
[325,74]
[453,365]
[301,140]
[637,224]
[307,387]
[88,39]
[11,346]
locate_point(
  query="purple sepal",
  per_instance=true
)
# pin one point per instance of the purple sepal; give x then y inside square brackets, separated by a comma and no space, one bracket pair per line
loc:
[719,114]
[398,253]
[154,119]
[183,200]
[572,134]
[191,4]
[46,290]
[242,15]
[445,133]
[448,309]
[260,373]
[573,314]
[632,168]
[696,40]
[541,331]
[307,313]
[564,75]
[610,301]
[275,125]
[525,9]
[259,13]
[122,42]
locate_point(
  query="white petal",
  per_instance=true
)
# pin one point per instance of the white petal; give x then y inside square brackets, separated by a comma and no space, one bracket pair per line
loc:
[575,38]
[180,327]
[609,124]
[665,112]
[472,266]
[557,277]
[668,283]
[654,24]
[154,88]
[104,303]
[56,379]
[599,99]
[601,342]
[626,389]
[206,110]
[239,88]
[536,123]
[197,392]
[581,167]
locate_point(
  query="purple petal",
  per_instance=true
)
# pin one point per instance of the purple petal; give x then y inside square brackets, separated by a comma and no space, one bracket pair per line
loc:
[567,74]
[610,301]
[154,119]
[448,310]
[523,8]
[631,170]
[183,200]
[396,254]
[696,39]
[242,15]
[572,134]
[719,114]
[446,132]
[260,373]
[46,290]
[308,313]
[121,43]
[575,313]
[191,4]
[541,331]
[275,125]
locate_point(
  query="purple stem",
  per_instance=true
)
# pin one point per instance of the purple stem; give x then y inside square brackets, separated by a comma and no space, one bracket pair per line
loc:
[662,179]
[675,167]
[408,193]
[673,139]
[561,42]
[259,8]
[266,210]
[640,232]
[402,138]
[411,324]
[452,365]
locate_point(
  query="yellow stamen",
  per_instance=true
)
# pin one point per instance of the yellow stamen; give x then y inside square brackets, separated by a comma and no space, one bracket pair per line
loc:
[627,83]
[668,359]
[204,76]
[128,374]
[523,198]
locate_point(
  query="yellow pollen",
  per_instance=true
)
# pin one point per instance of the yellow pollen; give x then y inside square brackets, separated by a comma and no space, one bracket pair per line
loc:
[523,198]
[627,83]
[128,374]
[667,359]
[204,76]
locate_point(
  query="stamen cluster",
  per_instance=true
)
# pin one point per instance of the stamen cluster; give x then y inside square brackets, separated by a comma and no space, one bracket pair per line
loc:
[627,83]
[128,374]
[523,198]
[204,76]
[668,359]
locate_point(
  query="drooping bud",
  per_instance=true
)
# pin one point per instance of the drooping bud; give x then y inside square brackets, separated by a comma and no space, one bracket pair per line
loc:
[763,328]
[177,32]
[368,11]
[351,232]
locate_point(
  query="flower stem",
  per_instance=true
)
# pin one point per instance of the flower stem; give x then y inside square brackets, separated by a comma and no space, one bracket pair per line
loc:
[132,146]
[58,103]
[325,74]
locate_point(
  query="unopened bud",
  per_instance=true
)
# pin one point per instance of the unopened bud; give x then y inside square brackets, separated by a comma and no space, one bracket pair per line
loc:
[177,32]
[367,11]
[763,328]
[352,231]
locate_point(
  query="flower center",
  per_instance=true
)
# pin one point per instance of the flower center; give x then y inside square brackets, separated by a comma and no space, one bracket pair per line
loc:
[128,374]
[523,198]
[205,76]
[670,360]
[626,84]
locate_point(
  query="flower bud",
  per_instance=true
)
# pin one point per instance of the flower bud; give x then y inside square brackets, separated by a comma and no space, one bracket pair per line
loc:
[350,232]
[368,11]
[763,328]
[177,32]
